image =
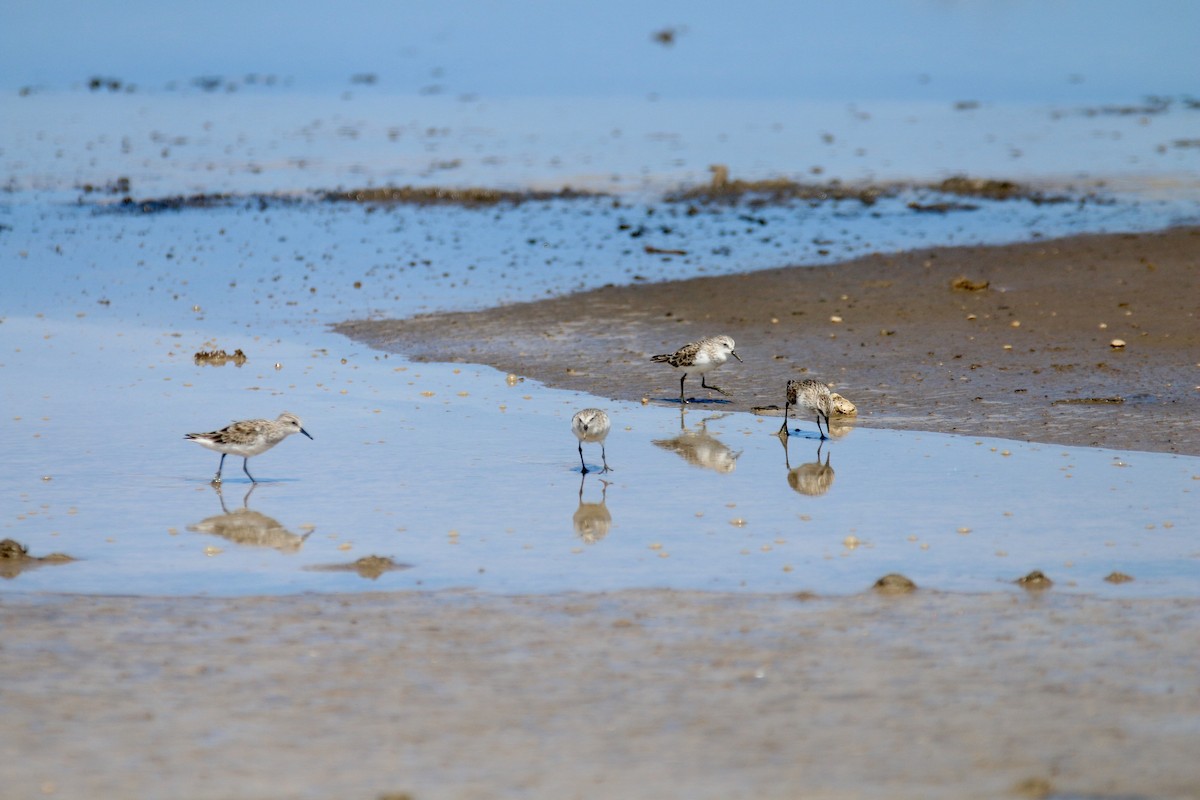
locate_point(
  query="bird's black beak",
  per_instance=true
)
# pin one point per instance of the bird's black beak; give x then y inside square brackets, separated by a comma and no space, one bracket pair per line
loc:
[735,355]
[306,433]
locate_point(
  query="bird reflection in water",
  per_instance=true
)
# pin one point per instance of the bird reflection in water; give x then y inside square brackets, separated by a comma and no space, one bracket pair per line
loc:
[700,448]
[813,478]
[249,527]
[592,520]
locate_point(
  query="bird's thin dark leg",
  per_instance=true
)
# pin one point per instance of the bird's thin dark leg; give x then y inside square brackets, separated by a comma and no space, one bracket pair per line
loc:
[783,427]
[581,463]
[220,466]
[220,496]
[604,458]
[714,388]
[246,469]
[819,425]
[682,400]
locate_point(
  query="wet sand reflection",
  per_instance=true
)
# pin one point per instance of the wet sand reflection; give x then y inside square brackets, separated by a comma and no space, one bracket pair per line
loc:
[700,448]
[249,527]
[592,521]
[813,478]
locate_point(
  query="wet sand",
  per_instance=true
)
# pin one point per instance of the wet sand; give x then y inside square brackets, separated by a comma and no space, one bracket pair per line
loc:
[631,695]
[1028,357]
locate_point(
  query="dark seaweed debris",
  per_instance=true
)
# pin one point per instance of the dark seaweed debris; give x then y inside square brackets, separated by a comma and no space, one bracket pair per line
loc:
[157,205]
[218,358]
[442,195]
[994,190]
[779,191]
[776,191]
[14,557]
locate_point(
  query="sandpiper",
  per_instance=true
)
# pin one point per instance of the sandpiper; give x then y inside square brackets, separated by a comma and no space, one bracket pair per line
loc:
[697,358]
[248,438]
[591,425]
[812,395]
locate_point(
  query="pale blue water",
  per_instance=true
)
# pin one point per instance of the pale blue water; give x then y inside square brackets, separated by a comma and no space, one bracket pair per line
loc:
[1069,51]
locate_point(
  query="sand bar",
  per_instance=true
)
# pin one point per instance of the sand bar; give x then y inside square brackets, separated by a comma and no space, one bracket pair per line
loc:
[1022,350]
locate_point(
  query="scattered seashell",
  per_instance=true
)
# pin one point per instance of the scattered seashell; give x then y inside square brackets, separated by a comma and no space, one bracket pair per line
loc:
[218,358]
[841,405]
[964,284]
[1117,344]
[894,583]
[1035,580]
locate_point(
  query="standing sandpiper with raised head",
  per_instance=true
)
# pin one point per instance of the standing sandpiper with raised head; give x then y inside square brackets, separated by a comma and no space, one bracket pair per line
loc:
[697,358]
[248,438]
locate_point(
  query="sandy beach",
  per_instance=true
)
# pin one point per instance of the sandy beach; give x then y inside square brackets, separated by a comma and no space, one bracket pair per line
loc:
[1024,350]
[631,695]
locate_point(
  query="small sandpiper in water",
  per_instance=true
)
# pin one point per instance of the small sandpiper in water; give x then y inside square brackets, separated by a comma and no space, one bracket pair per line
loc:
[591,425]
[697,358]
[248,438]
[811,395]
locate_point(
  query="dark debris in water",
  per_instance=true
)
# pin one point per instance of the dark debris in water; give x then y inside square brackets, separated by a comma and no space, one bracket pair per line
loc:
[776,191]
[1035,580]
[370,567]
[1150,105]
[219,358]
[666,36]
[402,195]
[990,189]
[158,205]
[894,583]
[444,195]
[15,558]
[1089,401]
[119,186]
[781,191]
[721,190]
[941,208]
[177,203]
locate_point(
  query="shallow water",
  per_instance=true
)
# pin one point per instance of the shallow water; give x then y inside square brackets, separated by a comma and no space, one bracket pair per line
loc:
[295,141]
[467,481]
[475,483]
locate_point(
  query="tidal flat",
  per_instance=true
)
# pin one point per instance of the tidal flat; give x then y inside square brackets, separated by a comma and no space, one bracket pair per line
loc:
[985,584]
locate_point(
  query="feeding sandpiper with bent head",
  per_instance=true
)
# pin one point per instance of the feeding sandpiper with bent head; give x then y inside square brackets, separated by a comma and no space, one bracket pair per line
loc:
[697,358]
[812,395]
[248,438]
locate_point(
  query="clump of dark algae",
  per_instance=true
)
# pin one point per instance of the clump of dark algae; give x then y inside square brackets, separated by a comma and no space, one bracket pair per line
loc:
[15,559]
